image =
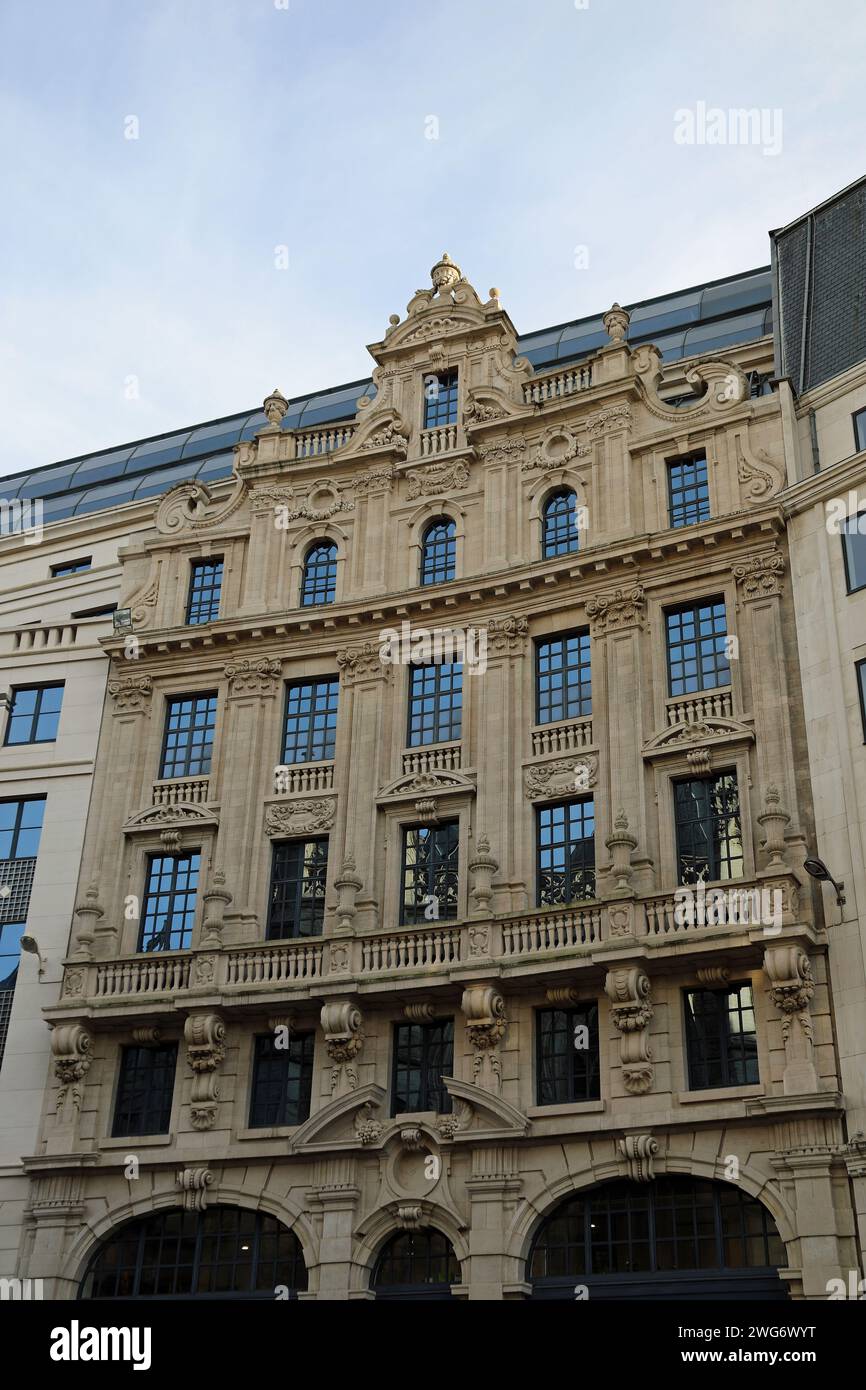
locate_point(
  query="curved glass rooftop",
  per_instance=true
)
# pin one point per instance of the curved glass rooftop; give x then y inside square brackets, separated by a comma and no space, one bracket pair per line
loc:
[707,318]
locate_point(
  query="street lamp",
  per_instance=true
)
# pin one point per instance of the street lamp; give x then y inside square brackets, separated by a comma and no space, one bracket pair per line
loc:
[818,869]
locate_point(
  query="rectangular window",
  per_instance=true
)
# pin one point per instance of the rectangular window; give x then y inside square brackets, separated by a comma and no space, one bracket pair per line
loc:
[854,551]
[688,490]
[860,430]
[21,827]
[168,912]
[205,589]
[709,838]
[34,714]
[563,684]
[71,567]
[697,641]
[144,1090]
[297,902]
[567,1054]
[311,720]
[566,852]
[435,703]
[10,954]
[282,1080]
[861,684]
[189,728]
[423,1054]
[440,399]
[430,873]
[721,1043]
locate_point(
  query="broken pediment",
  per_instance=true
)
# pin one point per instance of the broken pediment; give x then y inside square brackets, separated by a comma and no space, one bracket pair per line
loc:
[479,1113]
[698,733]
[353,1119]
[183,813]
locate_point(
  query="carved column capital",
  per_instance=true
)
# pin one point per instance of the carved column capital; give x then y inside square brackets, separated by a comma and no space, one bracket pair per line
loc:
[508,636]
[205,1040]
[131,694]
[628,990]
[615,610]
[343,1027]
[760,577]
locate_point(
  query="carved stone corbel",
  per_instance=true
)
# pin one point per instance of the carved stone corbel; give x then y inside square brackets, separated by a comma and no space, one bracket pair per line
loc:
[484,1009]
[342,1025]
[195,1183]
[789,971]
[639,1150]
[70,1048]
[628,990]
[205,1053]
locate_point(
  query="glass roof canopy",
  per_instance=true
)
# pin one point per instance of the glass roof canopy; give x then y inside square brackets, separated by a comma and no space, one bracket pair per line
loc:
[707,318]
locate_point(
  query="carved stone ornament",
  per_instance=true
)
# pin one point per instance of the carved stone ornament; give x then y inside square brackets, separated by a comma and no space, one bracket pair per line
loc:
[189,506]
[275,407]
[393,437]
[510,450]
[611,418]
[412,1140]
[639,1150]
[342,1025]
[265,499]
[616,322]
[755,471]
[205,1053]
[410,1218]
[253,677]
[373,480]
[292,817]
[508,635]
[789,971]
[87,914]
[482,867]
[565,775]
[484,1009]
[628,990]
[131,694]
[363,662]
[348,885]
[367,1129]
[477,412]
[324,499]
[619,609]
[773,819]
[436,478]
[760,577]
[558,446]
[142,602]
[194,1183]
[70,1048]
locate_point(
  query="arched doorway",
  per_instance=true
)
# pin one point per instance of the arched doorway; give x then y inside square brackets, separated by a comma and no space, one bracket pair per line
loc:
[224,1252]
[676,1238]
[416,1264]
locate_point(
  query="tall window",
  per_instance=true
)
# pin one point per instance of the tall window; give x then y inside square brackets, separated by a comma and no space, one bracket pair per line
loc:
[697,640]
[560,535]
[721,1042]
[861,683]
[688,490]
[168,911]
[566,852]
[282,1080]
[709,838]
[563,686]
[34,714]
[423,1054]
[439,552]
[311,720]
[20,828]
[854,551]
[297,903]
[189,728]
[860,430]
[205,590]
[567,1054]
[440,399]
[320,575]
[144,1090]
[430,873]
[435,703]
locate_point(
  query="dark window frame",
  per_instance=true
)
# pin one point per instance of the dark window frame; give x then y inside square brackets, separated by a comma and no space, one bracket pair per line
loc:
[582,636]
[856,417]
[712,603]
[844,537]
[66,567]
[698,1060]
[325,705]
[34,717]
[16,829]
[196,592]
[558,538]
[447,698]
[279,850]
[716,856]
[186,763]
[174,892]
[300,1053]
[435,1033]
[582,1084]
[570,877]
[319,576]
[688,495]
[443,409]
[154,1115]
[860,668]
[447,866]
[439,554]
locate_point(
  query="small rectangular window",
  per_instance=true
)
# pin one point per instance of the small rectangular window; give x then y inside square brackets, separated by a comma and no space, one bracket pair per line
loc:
[21,827]
[435,703]
[861,685]
[721,1042]
[860,430]
[566,852]
[282,1080]
[430,873]
[297,902]
[71,567]
[34,714]
[709,837]
[423,1055]
[688,490]
[567,1054]
[205,590]
[189,729]
[563,683]
[144,1090]
[697,635]
[168,911]
[854,551]
[440,399]
[311,720]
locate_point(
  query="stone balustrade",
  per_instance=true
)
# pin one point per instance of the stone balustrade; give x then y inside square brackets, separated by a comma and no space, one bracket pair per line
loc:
[562,738]
[552,385]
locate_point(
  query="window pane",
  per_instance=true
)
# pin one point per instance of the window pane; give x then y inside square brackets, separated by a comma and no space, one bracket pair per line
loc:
[563,678]
[311,720]
[435,703]
[205,589]
[34,714]
[559,525]
[696,637]
[282,1080]
[688,491]
[568,1057]
[320,575]
[854,549]
[423,1054]
[721,1039]
[168,912]
[566,852]
[298,876]
[189,731]
[438,552]
[430,873]
[144,1091]
[440,399]
[709,840]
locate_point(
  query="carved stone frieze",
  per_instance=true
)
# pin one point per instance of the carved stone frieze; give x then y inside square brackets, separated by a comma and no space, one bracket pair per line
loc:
[292,817]
[562,776]
[619,609]
[253,677]
[437,478]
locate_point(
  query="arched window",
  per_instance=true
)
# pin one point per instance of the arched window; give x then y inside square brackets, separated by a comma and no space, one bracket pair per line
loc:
[416,1264]
[559,524]
[224,1252]
[438,551]
[677,1238]
[320,574]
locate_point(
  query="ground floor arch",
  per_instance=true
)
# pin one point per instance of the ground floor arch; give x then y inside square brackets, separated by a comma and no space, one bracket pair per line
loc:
[419,1264]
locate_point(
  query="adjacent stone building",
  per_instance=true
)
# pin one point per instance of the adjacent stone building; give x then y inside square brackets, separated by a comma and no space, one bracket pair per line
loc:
[442,929]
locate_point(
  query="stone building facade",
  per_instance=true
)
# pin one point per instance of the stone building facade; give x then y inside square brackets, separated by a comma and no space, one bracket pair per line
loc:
[342,871]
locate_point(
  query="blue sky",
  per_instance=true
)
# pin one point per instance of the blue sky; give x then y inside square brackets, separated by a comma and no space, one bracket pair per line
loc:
[262,126]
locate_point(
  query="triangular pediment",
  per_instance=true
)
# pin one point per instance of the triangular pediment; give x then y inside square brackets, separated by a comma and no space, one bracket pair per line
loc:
[698,733]
[478,1112]
[414,784]
[354,1119]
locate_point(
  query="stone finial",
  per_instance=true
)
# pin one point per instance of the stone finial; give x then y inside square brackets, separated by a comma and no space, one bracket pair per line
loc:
[445,274]
[616,322]
[275,406]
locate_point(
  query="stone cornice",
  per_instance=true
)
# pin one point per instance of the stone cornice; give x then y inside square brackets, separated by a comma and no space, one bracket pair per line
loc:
[834,481]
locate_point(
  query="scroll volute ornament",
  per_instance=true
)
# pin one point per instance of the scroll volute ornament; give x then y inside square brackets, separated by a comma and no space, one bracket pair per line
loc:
[70,1048]
[205,1040]
[343,1027]
[789,970]
[628,990]
[484,1009]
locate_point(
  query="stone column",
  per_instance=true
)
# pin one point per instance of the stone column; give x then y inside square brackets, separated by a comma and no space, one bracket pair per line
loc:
[361,769]
[494,1191]
[504,710]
